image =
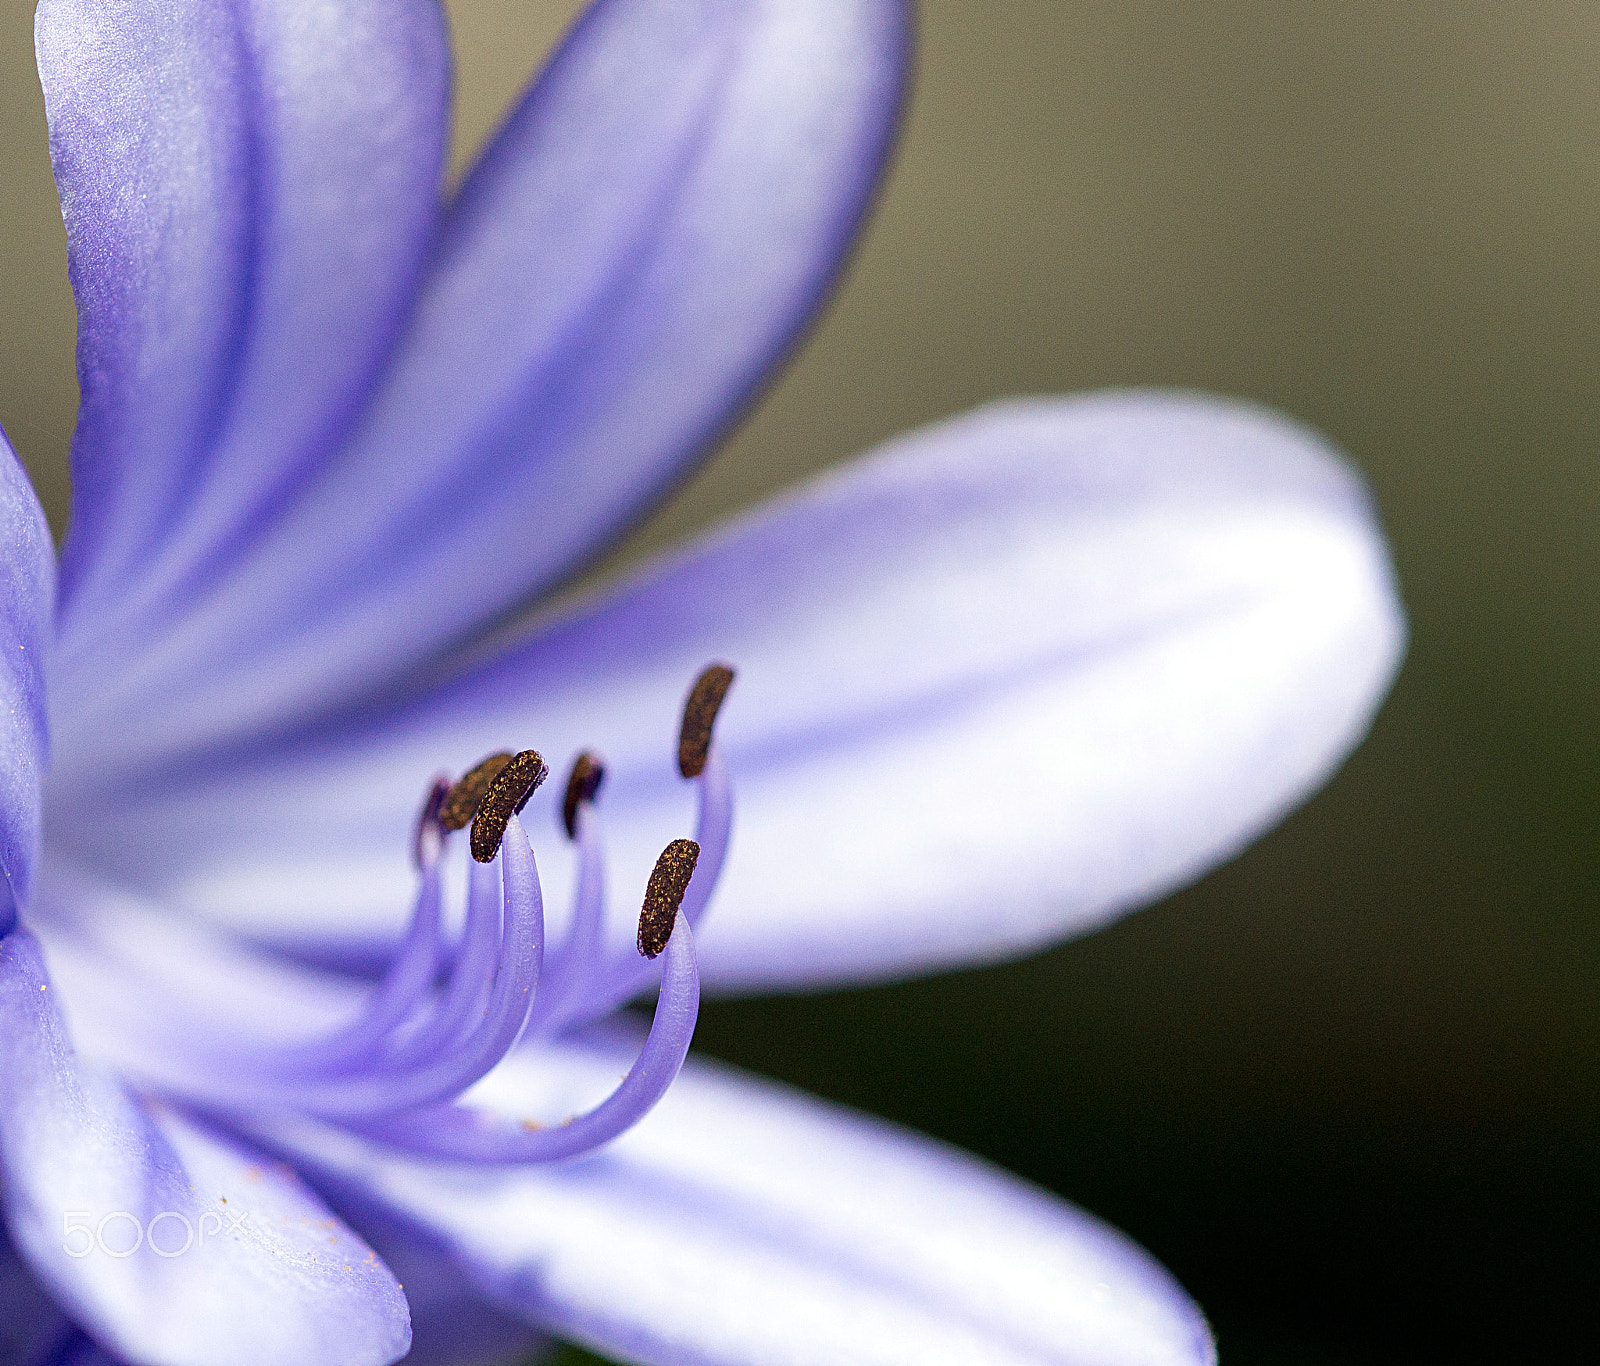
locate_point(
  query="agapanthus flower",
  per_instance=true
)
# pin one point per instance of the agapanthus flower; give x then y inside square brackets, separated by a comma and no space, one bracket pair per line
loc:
[288,1020]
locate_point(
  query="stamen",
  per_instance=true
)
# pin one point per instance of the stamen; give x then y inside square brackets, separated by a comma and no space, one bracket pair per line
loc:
[464,799]
[626,977]
[582,785]
[403,989]
[440,1021]
[401,992]
[507,795]
[462,1133]
[468,981]
[358,1042]
[460,1050]
[713,825]
[664,895]
[481,1014]
[699,716]
[571,972]
[427,841]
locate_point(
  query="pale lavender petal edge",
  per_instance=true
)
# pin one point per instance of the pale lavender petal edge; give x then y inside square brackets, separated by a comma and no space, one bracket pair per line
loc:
[742,1221]
[27,601]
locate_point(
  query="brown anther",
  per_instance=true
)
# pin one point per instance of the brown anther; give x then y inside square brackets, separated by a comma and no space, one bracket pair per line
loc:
[582,784]
[699,716]
[664,895]
[507,795]
[427,840]
[462,804]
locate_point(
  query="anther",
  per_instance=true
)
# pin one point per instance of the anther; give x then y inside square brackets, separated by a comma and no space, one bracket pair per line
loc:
[464,799]
[513,784]
[427,840]
[582,785]
[664,894]
[699,716]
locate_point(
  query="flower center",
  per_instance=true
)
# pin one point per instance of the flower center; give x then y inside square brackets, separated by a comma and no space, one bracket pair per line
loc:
[446,1013]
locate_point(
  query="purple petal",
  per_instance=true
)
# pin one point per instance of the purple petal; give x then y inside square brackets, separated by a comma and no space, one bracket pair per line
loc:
[30,1323]
[638,248]
[451,1325]
[745,1222]
[193,1250]
[249,191]
[999,682]
[77,1349]
[27,595]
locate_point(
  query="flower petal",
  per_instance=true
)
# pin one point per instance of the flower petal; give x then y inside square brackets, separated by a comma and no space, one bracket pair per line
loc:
[745,1222]
[250,190]
[1000,682]
[451,1324]
[654,224]
[29,1319]
[75,1348]
[169,1244]
[27,598]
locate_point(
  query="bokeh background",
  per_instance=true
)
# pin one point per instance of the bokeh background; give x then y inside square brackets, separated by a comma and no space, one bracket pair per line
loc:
[1348,1087]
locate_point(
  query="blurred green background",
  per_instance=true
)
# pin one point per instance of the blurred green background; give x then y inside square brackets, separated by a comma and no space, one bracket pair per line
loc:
[1348,1087]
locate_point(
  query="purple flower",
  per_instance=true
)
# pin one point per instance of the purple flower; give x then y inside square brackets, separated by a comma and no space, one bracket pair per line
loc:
[997,683]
